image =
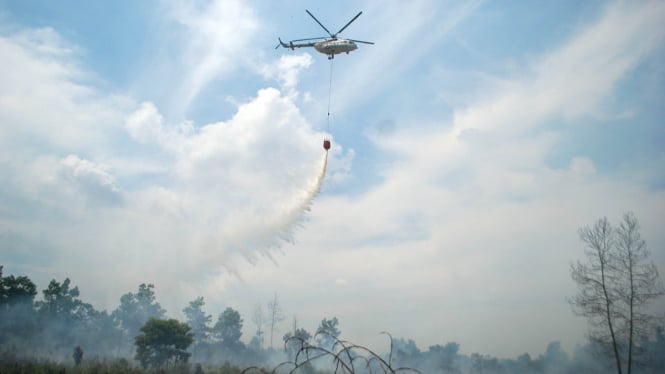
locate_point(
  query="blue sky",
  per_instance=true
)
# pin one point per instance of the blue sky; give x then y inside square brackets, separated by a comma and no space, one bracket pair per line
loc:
[172,144]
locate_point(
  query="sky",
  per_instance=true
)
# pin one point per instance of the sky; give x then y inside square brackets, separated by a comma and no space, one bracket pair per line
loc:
[169,142]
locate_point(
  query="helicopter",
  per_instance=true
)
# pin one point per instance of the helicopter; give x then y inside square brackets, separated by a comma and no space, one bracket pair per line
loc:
[327,45]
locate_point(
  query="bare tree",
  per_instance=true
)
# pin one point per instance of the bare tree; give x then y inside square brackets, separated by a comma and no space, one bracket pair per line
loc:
[276,316]
[259,322]
[639,282]
[615,285]
[594,299]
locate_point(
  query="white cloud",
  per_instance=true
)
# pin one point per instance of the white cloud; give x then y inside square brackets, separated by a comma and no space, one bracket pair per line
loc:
[575,80]
[145,124]
[88,179]
[288,69]
[402,33]
[219,40]
[41,90]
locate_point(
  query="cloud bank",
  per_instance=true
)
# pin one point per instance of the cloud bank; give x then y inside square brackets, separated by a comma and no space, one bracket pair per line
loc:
[464,235]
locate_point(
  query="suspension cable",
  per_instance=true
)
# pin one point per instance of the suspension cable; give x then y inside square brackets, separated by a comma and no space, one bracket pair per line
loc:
[330,93]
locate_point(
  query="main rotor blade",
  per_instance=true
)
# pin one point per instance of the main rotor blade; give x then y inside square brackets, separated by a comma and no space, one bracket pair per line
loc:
[360,41]
[347,25]
[320,24]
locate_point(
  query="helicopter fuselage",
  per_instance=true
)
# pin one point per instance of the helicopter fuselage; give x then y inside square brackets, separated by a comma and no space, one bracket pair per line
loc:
[335,46]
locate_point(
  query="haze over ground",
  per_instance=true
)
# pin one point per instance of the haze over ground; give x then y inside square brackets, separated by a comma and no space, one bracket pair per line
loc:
[166,143]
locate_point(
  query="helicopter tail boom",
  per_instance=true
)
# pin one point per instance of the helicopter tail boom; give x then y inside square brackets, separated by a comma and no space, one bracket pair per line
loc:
[293,45]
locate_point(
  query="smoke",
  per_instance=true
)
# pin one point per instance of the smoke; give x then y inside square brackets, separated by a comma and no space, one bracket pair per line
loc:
[284,226]
[231,190]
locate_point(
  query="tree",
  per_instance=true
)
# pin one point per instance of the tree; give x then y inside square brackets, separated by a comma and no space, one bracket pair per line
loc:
[484,364]
[99,334]
[17,296]
[77,355]
[405,352]
[554,357]
[228,328]
[63,316]
[595,299]
[445,358]
[655,351]
[639,283]
[16,290]
[524,364]
[295,340]
[616,283]
[259,322]
[328,332]
[136,308]
[163,341]
[60,301]
[275,316]
[198,320]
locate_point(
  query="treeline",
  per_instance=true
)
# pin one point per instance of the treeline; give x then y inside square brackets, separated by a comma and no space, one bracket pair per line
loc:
[62,328]
[61,324]
[66,331]
[588,358]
